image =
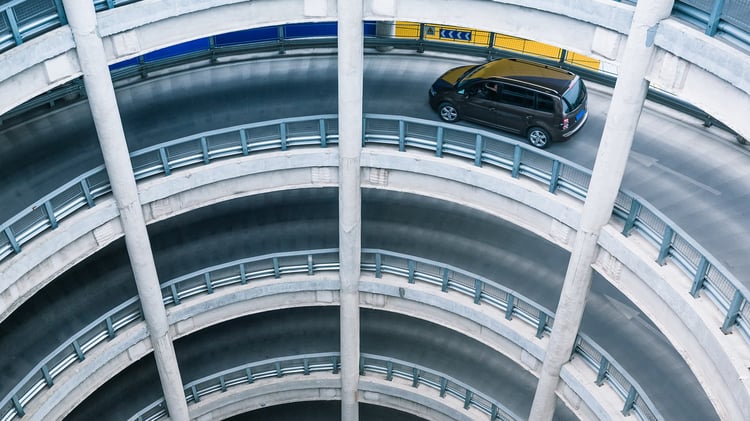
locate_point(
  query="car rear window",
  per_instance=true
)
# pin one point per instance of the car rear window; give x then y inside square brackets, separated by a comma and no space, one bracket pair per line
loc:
[574,96]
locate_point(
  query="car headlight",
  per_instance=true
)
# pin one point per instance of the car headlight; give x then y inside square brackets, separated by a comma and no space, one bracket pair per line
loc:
[433,92]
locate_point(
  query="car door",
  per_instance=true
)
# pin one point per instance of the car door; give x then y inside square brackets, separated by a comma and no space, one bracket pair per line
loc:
[477,104]
[515,107]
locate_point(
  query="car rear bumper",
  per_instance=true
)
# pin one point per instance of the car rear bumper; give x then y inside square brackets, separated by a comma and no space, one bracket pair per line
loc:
[573,131]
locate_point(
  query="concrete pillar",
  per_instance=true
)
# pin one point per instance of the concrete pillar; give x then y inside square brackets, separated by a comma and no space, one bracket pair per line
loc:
[98,83]
[387,30]
[619,129]
[350,74]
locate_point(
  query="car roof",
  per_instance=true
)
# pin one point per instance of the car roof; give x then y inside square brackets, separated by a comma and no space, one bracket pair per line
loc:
[530,72]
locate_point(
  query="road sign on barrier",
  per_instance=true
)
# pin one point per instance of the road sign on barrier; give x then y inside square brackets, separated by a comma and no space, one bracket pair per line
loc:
[454,34]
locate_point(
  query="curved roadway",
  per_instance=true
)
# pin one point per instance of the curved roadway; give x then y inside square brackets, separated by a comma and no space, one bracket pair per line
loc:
[60,145]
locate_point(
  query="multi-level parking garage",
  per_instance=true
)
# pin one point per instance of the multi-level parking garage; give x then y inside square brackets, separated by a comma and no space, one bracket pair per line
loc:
[268,250]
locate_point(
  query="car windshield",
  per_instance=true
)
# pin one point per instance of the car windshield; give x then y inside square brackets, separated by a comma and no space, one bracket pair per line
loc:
[467,74]
[574,96]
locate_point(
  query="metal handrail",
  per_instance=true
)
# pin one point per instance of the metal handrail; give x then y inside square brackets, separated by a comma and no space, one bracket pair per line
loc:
[310,262]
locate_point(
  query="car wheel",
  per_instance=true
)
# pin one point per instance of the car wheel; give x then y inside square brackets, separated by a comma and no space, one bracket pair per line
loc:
[448,112]
[538,137]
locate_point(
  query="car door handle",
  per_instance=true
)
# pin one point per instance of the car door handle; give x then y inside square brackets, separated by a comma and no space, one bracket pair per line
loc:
[493,109]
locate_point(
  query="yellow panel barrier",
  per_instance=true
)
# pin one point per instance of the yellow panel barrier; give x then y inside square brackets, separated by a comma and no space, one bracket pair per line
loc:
[461,35]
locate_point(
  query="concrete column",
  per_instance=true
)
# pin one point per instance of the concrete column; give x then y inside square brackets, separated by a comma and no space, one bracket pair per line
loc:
[619,129]
[350,74]
[98,83]
[385,29]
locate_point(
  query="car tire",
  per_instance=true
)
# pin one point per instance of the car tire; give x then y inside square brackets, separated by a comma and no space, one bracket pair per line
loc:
[448,112]
[538,137]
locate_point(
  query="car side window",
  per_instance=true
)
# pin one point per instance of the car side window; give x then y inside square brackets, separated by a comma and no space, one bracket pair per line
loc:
[515,95]
[545,103]
[489,90]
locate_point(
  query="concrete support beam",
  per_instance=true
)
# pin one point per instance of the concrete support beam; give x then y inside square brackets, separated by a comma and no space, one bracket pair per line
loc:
[106,115]
[612,156]
[350,74]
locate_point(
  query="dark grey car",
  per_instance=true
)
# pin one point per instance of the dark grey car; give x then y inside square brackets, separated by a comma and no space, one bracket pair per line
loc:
[540,102]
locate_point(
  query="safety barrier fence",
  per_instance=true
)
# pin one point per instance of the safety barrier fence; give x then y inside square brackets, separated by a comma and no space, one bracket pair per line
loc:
[415,37]
[478,146]
[311,262]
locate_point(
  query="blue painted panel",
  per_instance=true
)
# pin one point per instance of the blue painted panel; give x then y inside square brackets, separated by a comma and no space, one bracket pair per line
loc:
[302,30]
[370,29]
[126,63]
[179,49]
[268,33]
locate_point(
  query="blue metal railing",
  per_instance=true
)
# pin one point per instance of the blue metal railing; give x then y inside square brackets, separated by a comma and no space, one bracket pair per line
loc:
[477,146]
[311,262]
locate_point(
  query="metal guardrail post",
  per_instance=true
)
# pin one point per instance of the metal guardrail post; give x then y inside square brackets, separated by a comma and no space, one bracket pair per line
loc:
[733,312]
[378,261]
[635,208]
[554,176]
[165,161]
[401,136]
[323,136]
[478,148]
[439,143]
[629,401]
[715,16]
[491,47]
[509,307]
[517,153]
[281,36]
[420,43]
[602,372]
[666,245]
[13,23]
[700,277]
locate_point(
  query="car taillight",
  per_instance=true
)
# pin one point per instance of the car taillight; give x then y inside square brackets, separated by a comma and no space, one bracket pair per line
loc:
[565,124]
